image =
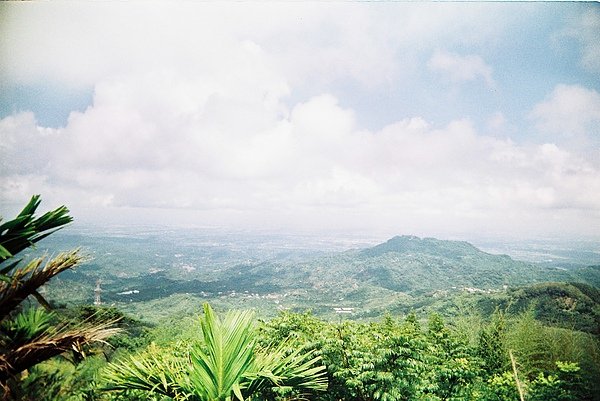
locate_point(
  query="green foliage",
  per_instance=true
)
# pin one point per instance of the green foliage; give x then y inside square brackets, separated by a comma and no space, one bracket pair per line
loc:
[60,380]
[568,305]
[155,371]
[41,385]
[27,325]
[30,336]
[226,355]
[297,328]
[224,365]
[456,367]
[540,349]
[491,346]
[389,360]
[134,334]
[398,360]
[499,387]
[561,384]
[25,230]
[533,345]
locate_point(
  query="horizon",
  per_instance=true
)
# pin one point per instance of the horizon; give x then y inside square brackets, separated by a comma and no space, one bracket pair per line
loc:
[534,250]
[445,120]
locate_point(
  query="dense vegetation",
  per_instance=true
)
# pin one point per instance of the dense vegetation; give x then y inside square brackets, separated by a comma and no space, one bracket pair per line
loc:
[394,358]
[422,319]
[30,334]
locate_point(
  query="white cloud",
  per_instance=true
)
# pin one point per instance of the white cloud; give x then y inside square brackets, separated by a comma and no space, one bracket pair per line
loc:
[459,69]
[315,43]
[586,30]
[167,148]
[82,44]
[227,113]
[35,144]
[500,126]
[570,110]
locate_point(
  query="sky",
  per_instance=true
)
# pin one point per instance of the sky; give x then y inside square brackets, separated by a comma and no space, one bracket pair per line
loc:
[434,119]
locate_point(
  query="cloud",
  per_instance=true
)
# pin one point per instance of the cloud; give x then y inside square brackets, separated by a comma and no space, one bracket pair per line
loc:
[35,144]
[459,69]
[90,42]
[209,109]
[570,110]
[586,30]
[314,43]
[145,143]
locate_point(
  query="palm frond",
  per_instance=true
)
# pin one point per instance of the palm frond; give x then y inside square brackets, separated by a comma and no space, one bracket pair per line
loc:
[218,366]
[30,337]
[26,229]
[26,280]
[225,365]
[154,371]
[52,343]
[289,368]
[27,325]
[4,253]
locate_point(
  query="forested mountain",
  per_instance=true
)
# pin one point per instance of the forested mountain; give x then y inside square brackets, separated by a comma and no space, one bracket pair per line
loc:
[143,272]
[413,265]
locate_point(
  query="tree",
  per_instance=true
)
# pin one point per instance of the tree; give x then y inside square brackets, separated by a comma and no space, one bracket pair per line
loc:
[490,346]
[225,364]
[30,335]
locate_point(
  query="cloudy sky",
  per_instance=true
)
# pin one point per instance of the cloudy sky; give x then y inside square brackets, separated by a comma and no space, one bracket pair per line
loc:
[445,119]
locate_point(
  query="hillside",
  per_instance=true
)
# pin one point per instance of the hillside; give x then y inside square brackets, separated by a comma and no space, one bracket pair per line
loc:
[409,244]
[410,265]
[569,305]
[403,273]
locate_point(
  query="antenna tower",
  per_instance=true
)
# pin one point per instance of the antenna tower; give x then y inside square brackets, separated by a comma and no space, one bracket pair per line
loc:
[97,291]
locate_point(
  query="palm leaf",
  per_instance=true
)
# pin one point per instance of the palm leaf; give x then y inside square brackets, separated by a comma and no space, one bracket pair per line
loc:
[27,325]
[51,343]
[225,365]
[218,366]
[26,229]
[26,280]
[4,253]
[30,337]
[288,368]
[154,371]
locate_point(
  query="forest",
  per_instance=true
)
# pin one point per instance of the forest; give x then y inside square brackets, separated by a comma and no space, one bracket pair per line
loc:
[535,341]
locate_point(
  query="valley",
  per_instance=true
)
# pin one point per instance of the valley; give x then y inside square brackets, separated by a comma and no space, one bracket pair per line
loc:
[151,273]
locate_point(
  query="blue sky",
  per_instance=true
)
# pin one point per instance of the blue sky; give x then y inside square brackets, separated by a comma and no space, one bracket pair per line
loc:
[446,119]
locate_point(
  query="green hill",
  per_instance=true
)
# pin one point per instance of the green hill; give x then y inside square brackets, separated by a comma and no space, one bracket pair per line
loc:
[403,273]
[569,305]
[409,244]
[416,266]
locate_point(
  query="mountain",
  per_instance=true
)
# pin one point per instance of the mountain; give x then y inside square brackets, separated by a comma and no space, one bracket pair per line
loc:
[399,274]
[413,265]
[409,244]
